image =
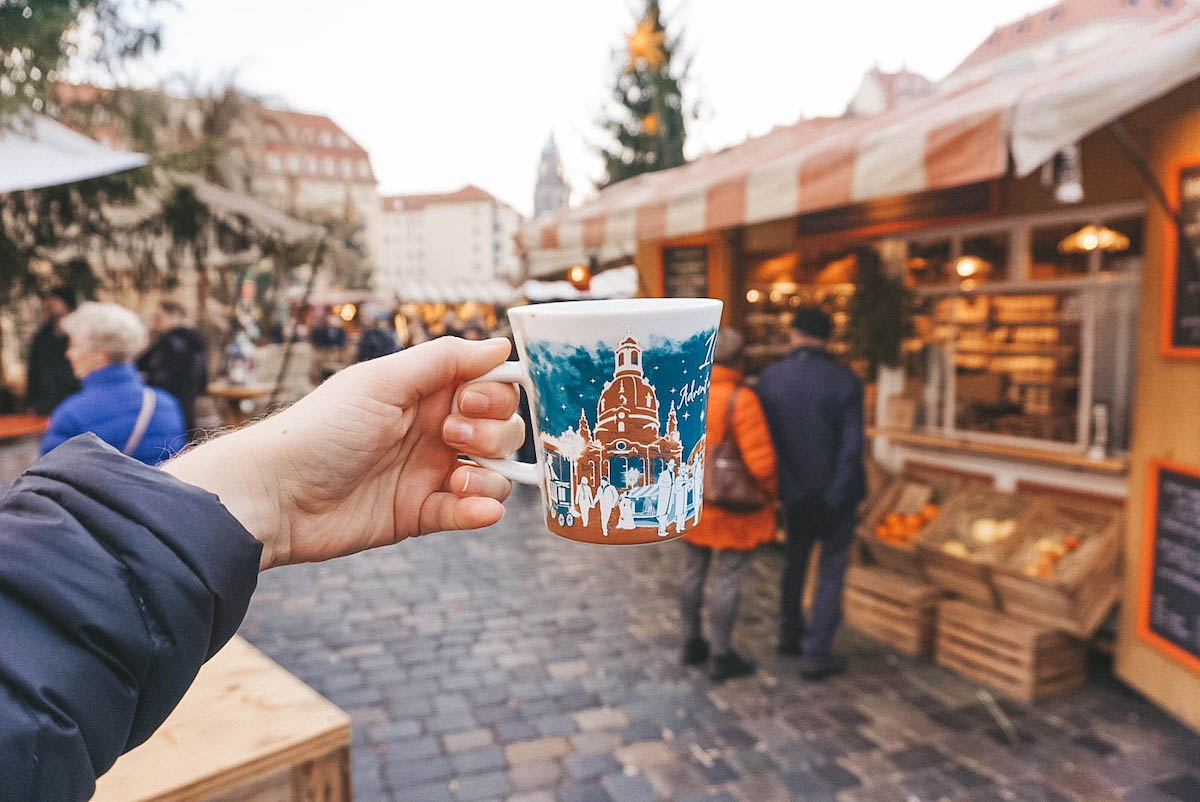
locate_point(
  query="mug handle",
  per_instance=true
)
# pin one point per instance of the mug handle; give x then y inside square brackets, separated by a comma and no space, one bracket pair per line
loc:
[526,473]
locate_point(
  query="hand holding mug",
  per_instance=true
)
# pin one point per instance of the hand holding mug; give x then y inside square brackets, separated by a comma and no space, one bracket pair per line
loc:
[369,458]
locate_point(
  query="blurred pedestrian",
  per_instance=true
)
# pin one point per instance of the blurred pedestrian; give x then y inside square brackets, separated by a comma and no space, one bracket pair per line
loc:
[815,410]
[177,361]
[143,422]
[377,340]
[329,349]
[724,541]
[50,378]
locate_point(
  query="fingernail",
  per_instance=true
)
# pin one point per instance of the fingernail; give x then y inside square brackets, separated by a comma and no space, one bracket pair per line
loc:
[473,402]
[458,431]
[471,483]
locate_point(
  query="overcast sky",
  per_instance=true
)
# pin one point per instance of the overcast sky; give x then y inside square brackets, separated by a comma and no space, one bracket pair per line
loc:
[448,93]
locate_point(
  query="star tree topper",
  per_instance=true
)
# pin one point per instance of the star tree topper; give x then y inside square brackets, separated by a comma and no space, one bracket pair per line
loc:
[645,45]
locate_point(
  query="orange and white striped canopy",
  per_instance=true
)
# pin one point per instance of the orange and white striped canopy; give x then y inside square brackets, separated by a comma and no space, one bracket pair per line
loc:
[961,134]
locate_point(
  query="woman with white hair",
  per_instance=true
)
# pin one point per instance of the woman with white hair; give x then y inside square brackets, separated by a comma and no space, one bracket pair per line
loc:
[114,403]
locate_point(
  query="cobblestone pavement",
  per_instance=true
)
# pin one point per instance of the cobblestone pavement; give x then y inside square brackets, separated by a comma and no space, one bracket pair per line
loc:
[511,664]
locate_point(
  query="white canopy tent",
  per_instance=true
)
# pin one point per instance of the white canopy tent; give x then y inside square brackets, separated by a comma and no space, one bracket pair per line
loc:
[39,152]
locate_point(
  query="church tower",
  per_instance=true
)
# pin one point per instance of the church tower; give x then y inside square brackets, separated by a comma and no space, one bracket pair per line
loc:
[551,192]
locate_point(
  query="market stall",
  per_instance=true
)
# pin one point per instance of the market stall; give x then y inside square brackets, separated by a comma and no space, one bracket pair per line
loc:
[1040,215]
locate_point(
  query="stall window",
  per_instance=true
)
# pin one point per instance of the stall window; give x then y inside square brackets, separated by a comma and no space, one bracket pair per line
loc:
[984,258]
[1048,261]
[928,263]
[1122,256]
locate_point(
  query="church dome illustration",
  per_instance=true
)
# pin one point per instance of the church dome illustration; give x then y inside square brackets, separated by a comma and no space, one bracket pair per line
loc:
[628,407]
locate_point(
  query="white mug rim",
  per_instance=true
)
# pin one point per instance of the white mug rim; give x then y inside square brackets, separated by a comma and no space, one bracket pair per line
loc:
[623,306]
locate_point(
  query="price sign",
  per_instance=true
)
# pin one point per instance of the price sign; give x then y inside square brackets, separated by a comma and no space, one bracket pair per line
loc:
[1169,592]
[685,272]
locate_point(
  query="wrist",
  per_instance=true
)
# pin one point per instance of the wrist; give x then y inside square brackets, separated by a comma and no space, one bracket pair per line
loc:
[235,468]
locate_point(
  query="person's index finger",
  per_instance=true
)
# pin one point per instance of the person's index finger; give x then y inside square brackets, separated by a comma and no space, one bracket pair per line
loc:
[443,363]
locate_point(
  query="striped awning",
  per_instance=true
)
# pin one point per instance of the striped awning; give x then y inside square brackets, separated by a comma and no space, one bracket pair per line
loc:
[961,134]
[492,291]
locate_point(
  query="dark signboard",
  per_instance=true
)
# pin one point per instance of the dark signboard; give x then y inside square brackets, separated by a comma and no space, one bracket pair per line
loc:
[1181,274]
[685,272]
[1169,603]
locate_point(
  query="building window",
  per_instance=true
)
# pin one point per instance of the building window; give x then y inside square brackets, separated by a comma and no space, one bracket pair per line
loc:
[329,166]
[273,162]
[364,169]
[326,139]
[293,163]
[347,168]
[310,163]
[343,141]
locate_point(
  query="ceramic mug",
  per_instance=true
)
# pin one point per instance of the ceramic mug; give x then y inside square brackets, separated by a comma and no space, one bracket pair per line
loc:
[618,394]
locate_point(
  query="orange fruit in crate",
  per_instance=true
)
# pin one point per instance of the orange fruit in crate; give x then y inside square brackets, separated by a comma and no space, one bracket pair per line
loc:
[882,532]
[930,511]
[913,523]
[1071,542]
[892,518]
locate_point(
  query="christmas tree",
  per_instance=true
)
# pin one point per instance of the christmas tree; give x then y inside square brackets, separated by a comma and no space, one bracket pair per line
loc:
[647,122]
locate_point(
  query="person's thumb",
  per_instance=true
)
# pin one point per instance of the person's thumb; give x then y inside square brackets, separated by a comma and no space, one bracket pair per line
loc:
[431,367]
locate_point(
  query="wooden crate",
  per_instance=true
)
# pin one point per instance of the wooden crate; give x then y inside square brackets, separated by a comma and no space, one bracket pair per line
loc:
[906,493]
[1021,660]
[892,608]
[1085,585]
[970,577]
[246,731]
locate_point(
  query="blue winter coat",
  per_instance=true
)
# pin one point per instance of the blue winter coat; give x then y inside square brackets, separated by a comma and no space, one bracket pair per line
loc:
[117,582]
[108,406]
[814,410]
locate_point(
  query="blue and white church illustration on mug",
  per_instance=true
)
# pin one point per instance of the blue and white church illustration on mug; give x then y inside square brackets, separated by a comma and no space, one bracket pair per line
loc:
[629,454]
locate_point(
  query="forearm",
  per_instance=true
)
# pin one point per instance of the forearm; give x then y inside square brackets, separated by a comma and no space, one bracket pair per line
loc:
[235,468]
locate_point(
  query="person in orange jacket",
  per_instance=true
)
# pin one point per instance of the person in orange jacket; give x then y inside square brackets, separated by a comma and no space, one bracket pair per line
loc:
[725,540]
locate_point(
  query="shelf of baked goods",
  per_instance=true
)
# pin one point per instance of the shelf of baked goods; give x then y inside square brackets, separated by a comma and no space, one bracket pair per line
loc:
[1109,465]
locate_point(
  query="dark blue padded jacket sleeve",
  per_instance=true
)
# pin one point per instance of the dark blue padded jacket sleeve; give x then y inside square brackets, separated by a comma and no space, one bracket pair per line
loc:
[117,582]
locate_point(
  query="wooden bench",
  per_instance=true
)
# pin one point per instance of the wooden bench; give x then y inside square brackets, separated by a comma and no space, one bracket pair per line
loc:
[247,731]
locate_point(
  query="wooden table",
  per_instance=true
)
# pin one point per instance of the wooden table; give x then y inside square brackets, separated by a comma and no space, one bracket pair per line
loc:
[20,438]
[1109,465]
[232,396]
[246,730]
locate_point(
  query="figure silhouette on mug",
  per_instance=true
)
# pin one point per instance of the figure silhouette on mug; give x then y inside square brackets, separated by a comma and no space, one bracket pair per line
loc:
[607,498]
[665,487]
[585,500]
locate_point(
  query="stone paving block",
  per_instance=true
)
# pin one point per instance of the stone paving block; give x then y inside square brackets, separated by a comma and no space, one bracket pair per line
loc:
[601,718]
[804,784]
[450,721]
[408,772]
[479,786]
[558,724]
[567,668]
[539,749]
[590,766]
[584,792]
[395,730]
[467,739]
[535,774]
[623,788]
[426,746]
[474,761]
[531,796]
[645,754]
[434,792]
[591,742]
[672,779]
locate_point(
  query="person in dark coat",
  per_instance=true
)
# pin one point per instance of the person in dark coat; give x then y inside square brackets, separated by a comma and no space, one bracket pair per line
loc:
[114,403]
[177,361]
[118,581]
[378,340]
[50,378]
[814,408]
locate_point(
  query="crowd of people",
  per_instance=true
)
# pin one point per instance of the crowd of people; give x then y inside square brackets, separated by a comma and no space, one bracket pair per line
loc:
[92,368]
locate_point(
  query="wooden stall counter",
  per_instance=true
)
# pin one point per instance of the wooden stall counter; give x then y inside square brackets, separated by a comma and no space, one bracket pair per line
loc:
[246,730]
